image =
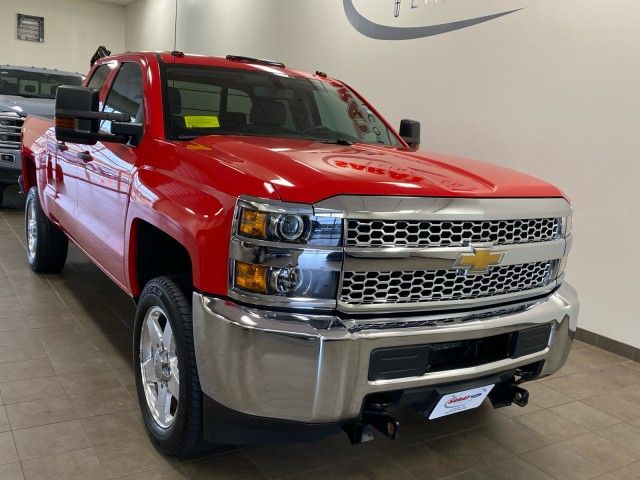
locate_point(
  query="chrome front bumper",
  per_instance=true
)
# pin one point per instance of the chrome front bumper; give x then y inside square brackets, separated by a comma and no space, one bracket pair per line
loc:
[314,368]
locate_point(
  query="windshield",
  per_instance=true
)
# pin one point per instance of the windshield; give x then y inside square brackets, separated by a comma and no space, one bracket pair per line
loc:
[213,101]
[34,84]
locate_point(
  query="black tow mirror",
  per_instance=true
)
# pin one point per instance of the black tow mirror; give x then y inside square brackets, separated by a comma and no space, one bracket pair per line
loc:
[410,132]
[77,117]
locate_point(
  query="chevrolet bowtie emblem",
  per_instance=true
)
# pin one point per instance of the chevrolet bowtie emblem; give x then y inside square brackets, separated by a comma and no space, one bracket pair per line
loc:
[479,261]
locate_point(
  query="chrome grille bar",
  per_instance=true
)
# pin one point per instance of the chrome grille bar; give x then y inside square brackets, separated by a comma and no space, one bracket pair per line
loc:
[404,253]
[10,127]
[413,233]
[366,288]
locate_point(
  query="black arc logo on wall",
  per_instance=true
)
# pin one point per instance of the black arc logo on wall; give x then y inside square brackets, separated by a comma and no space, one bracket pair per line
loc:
[377,31]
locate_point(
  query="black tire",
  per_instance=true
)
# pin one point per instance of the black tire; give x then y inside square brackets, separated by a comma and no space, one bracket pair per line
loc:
[49,252]
[183,438]
[2,193]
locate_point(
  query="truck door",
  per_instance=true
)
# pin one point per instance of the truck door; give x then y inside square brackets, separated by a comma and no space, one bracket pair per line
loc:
[104,182]
[65,166]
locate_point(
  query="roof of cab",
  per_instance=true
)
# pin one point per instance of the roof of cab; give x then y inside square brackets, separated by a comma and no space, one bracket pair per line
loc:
[240,62]
[49,71]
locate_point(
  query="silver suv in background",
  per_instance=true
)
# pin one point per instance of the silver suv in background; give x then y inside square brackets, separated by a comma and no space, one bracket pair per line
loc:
[24,91]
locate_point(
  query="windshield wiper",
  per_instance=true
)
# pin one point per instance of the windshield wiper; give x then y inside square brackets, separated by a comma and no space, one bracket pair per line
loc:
[338,141]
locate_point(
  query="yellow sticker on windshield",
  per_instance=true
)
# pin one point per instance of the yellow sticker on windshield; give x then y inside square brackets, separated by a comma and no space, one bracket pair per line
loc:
[201,121]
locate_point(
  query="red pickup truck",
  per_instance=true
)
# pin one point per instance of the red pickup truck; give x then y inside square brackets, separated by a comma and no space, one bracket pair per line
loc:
[299,268]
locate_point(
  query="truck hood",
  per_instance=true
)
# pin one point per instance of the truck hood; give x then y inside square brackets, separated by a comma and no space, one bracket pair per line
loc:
[23,106]
[307,171]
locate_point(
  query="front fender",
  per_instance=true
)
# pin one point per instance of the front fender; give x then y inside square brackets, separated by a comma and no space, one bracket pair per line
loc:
[194,215]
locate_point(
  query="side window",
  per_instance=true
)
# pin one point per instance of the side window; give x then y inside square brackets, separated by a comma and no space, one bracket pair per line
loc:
[99,77]
[239,102]
[197,98]
[126,95]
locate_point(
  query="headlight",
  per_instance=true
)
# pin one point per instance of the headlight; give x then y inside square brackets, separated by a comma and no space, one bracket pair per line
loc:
[274,226]
[284,254]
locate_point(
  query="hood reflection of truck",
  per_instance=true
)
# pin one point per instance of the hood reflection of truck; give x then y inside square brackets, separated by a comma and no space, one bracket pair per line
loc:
[299,267]
[24,91]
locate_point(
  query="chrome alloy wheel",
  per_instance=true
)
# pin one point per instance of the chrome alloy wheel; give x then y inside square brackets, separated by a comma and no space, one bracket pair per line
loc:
[159,367]
[32,230]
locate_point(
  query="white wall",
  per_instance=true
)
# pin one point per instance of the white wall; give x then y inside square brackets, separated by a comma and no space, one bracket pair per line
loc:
[73,29]
[551,90]
[213,27]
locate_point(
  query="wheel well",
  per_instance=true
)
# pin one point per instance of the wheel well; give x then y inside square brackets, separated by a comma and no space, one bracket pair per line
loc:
[28,173]
[159,254]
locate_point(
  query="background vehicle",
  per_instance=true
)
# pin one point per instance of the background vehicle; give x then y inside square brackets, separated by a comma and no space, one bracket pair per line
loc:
[298,267]
[24,91]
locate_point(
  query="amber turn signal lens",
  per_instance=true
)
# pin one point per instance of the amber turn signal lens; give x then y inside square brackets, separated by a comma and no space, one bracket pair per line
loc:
[63,122]
[251,277]
[253,223]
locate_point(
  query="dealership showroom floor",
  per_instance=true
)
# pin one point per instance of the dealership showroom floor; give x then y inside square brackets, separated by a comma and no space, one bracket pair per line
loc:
[319,239]
[69,407]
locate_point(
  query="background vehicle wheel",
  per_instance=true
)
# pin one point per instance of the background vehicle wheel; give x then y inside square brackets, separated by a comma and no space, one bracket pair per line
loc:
[47,245]
[165,368]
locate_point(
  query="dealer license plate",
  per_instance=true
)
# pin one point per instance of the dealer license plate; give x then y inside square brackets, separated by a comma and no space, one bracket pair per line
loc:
[460,401]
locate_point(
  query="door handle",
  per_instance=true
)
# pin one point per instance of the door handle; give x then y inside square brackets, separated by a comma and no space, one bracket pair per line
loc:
[62,147]
[85,156]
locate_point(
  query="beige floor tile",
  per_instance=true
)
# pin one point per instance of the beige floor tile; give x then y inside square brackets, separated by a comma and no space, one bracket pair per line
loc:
[512,468]
[119,459]
[632,394]
[80,382]
[545,396]
[163,474]
[370,468]
[11,471]
[441,462]
[14,321]
[583,384]
[476,447]
[114,427]
[11,372]
[73,360]
[50,439]
[19,337]
[615,404]
[552,425]
[8,453]
[230,466]
[624,435]
[51,320]
[585,415]
[19,353]
[4,420]
[514,436]
[40,412]
[467,475]
[100,402]
[76,465]
[31,389]
[630,472]
[620,375]
[514,411]
[61,337]
[607,476]
[580,458]
[596,357]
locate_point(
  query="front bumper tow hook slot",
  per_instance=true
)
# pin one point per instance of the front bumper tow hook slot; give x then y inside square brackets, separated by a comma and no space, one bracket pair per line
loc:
[363,431]
[520,396]
[506,394]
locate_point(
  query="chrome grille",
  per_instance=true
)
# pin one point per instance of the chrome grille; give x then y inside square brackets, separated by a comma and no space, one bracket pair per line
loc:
[10,127]
[410,233]
[366,288]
